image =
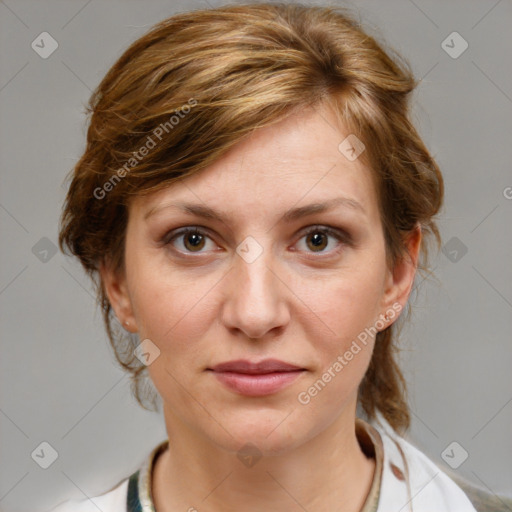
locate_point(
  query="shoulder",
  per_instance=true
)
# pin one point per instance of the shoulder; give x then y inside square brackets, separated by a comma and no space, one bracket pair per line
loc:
[411,481]
[430,485]
[111,501]
[131,493]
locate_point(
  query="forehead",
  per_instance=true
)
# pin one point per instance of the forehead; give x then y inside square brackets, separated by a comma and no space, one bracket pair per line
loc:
[293,162]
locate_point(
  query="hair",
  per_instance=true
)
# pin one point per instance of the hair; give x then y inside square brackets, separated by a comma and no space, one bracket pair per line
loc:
[195,85]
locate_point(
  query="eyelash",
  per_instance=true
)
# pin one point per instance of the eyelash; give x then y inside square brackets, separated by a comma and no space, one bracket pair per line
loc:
[341,236]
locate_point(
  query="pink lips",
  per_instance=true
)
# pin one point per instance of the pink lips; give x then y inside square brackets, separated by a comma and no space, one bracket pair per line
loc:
[256,379]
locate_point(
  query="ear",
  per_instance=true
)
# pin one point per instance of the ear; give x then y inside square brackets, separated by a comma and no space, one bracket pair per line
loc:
[400,279]
[114,283]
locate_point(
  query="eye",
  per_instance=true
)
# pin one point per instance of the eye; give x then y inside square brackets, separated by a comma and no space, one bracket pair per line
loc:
[317,239]
[192,240]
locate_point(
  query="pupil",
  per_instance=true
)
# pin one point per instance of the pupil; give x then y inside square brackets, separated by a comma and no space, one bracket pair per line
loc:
[194,239]
[317,239]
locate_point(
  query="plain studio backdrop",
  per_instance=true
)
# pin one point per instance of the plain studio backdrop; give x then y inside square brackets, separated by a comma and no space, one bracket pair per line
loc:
[59,381]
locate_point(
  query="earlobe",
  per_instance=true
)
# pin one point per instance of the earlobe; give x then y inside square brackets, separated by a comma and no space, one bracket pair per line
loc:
[116,289]
[401,277]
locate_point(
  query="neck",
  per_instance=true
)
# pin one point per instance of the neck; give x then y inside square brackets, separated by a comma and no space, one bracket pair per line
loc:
[329,472]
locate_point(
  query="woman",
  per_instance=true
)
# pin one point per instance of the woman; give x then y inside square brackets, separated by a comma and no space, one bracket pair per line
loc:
[254,204]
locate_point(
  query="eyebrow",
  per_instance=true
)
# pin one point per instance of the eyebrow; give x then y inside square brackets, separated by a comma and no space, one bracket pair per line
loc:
[289,216]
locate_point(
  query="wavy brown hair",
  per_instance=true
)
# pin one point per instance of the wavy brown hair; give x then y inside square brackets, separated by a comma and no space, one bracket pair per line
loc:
[203,80]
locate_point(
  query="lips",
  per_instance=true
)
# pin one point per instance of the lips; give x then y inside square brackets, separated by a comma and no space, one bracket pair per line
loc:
[248,367]
[256,378]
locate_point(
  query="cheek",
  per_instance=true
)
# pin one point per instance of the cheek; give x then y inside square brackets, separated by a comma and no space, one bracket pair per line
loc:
[175,311]
[172,307]
[341,332]
[344,304]
[342,352]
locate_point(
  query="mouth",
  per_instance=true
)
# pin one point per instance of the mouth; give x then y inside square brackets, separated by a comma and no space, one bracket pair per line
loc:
[256,378]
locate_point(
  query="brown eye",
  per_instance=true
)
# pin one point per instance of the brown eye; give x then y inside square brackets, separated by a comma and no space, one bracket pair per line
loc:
[319,238]
[317,241]
[193,241]
[190,240]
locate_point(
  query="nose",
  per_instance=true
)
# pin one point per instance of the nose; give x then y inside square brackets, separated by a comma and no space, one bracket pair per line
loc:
[255,301]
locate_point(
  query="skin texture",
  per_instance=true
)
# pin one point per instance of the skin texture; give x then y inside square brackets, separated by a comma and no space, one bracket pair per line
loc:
[298,302]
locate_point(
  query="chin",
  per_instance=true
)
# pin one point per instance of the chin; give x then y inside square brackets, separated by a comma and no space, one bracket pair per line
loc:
[264,430]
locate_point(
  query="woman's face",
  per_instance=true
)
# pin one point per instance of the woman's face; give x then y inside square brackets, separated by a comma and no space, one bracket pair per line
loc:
[274,279]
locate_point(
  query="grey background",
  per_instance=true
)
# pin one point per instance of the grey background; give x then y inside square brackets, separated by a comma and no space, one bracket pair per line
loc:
[58,380]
